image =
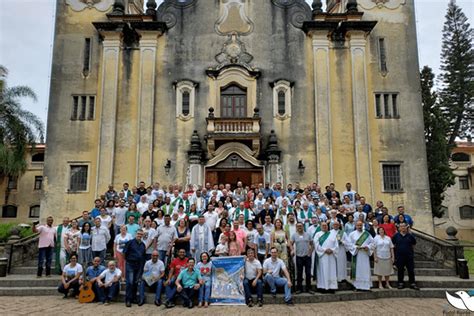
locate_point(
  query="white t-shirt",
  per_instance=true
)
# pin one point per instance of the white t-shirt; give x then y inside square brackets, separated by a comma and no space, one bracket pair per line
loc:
[104,221]
[142,207]
[70,271]
[251,268]
[148,236]
[119,214]
[211,219]
[274,267]
[154,268]
[109,275]
[262,241]
[120,241]
[382,246]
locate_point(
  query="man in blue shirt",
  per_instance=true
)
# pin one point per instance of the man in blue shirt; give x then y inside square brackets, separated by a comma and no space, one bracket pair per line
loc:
[188,283]
[96,210]
[408,219]
[92,275]
[267,192]
[404,244]
[135,252]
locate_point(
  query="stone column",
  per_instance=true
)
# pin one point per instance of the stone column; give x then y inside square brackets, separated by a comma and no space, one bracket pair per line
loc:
[146,103]
[322,103]
[108,116]
[362,144]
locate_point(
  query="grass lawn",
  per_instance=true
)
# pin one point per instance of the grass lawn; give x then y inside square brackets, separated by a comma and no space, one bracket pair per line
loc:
[469,255]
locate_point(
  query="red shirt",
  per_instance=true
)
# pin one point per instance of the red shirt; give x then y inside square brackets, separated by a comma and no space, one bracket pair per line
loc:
[177,264]
[390,229]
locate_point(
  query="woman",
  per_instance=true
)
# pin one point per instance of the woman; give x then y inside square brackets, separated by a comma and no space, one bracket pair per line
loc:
[110,207]
[373,228]
[388,226]
[219,230]
[349,227]
[119,245]
[383,257]
[193,216]
[220,208]
[160,218]
[251,233]
[132,211]
[71,239]
[228,202]
[233,244]
[401,219]
[279,240]
[184,236]
[105,219]
[85,249]
[156,205]
[70,277]
[205,268]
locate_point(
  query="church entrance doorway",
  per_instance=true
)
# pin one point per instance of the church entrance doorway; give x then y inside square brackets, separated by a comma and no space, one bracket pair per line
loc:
[232,176]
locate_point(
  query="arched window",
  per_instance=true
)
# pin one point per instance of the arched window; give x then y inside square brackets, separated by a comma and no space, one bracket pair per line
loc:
[460,157]
[185,94]
[38,157]
[35,211]
[233,101]
[281,103]
[282,90]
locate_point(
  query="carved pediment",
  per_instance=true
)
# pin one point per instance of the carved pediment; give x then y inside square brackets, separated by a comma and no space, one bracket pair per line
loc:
[79,5]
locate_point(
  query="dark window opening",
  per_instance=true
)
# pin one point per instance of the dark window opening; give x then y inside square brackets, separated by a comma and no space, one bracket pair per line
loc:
[12,183]
[185,103]
[78,178]
[281,103]
[233,101]
[382,55]
[463,182]
[35,211]
[38,182]
[9,211]
[391,178]
[39,157]
[87,56]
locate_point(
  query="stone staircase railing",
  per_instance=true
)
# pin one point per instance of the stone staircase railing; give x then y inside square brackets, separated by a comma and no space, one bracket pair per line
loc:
[19,250]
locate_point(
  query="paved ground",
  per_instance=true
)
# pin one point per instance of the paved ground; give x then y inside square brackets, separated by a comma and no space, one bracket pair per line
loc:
[55,305]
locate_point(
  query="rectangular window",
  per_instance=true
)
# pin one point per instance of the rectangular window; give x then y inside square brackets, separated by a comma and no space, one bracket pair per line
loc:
[83,107]
[463,182]
[12,183]
[391,178]
[9,211]
[38,182]
[281,103]
[466,212]
[78,178]
[87,57]
[386,105]
[382,55]
[35,211]
[186,101]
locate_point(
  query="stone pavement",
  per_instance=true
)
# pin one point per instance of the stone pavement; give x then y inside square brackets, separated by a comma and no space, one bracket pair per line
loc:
[55,305]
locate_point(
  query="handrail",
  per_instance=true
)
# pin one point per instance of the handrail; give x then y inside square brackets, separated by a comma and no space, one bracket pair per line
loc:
[445,242]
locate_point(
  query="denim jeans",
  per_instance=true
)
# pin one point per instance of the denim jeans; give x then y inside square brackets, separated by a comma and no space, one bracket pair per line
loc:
[303,263]
[74,286]
[133,277]
[159,286]
[100,254]
[171,290]
[248,289]
[108,293]
[162,255]
[273,282]
[187,294]
[205,292]
[45,253]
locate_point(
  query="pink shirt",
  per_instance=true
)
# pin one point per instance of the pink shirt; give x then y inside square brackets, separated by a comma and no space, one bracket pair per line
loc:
[241,235]
[46,236]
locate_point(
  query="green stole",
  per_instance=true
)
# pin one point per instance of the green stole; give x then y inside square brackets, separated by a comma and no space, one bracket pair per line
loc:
[187,206]
[323,238]
[339,235]
[360,241]
[317,230]
[173,204]
[246,214]
[167,209]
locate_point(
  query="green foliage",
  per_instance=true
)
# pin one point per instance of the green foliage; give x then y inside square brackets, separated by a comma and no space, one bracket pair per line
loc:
[457,74]
[19,128]
[6,228]
[437,148]
[469,255]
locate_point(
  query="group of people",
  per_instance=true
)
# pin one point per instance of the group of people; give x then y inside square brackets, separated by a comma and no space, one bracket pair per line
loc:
[165,238]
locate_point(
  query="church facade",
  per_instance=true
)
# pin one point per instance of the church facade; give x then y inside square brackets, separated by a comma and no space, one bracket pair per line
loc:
[195,91]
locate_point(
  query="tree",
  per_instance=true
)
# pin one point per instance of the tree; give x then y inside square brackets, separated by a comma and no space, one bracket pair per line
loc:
[437,147]
[457,74]
[19,128]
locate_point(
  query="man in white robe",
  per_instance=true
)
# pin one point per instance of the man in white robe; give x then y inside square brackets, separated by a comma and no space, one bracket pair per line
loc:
[360,246]
[326,249]
[341,258]
[201,239]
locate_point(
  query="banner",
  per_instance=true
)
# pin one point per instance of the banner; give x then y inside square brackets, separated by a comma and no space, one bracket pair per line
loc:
[227,276]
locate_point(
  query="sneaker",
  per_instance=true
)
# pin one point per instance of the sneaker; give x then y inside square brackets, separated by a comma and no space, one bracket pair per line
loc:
[298,292]
[250,303]
[140,303]
[157,302]
[260,303]
[414,287]
[290,303]
[128,304]
[400,286]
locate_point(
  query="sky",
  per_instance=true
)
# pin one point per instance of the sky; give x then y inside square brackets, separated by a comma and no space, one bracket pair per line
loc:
[27,31]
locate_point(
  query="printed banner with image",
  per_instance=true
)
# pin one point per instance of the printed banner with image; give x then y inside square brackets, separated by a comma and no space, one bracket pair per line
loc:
[227,276]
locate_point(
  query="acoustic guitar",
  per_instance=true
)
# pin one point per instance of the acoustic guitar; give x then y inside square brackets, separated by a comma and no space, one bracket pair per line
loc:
[86,294]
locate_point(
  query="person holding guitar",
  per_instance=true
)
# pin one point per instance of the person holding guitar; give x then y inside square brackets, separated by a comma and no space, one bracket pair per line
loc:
[89,288]
[109,283]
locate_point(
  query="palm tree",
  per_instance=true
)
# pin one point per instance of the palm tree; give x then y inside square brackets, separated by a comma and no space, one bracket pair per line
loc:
[19,128]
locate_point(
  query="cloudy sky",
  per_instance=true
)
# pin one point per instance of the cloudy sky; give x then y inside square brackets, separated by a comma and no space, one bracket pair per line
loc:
[27,27]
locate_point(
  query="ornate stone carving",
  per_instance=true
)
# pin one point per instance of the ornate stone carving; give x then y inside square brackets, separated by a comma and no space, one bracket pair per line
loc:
[79,5]
[233,18]
[389,4]
[195,154]
[234,52]
[273,151]
[169,9]
[299,10]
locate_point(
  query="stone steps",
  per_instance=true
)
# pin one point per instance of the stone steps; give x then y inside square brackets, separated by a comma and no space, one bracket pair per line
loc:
[424,272]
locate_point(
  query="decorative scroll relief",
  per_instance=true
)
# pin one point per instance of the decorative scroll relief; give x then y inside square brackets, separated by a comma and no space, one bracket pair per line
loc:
[389,4]
[169,10]
[233,18]
[234,52]
[299,10]
[79,5]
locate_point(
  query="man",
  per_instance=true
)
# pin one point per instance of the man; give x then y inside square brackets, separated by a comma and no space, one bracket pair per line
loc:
[266,211]
[174,270]
[84,219]
[408,219]
[241,236]
[201,238]
[188,282]
[259,204]
[100,238]
[262,242]
[119,216]
[272,268]
[157,191]
[111,193]
[267,191]
[47,235]
[92,275]
[404,244]
[361,250]
[211,217]
[283,211]
[268,227]
[96,210]
[60,246]
[200,201]
[108,283]
[153,274]
[253,279]
[126,191]
[149,240]
[142,206]
[326,249]
[134,252]
[349,192]
[305,215]
[301,246]
[290,226]
[341,257]
[165,236]
[141,190]
[365,207]
[248,214]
